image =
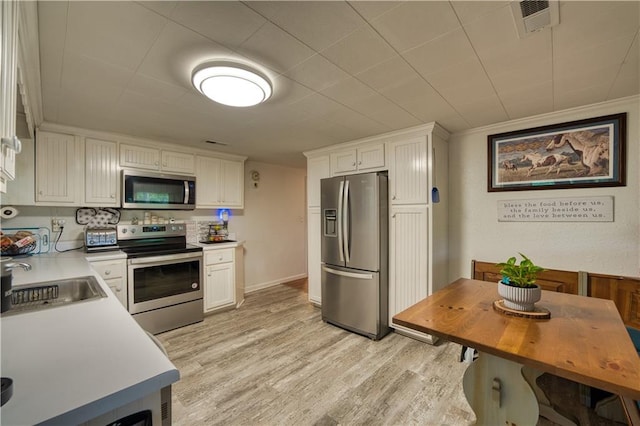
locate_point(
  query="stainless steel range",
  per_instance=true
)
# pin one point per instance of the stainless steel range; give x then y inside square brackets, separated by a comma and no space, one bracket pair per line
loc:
[164,276]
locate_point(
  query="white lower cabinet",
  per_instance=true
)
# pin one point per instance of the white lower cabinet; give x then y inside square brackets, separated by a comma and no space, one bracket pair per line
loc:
[114,273]
[408,258]
[219,279]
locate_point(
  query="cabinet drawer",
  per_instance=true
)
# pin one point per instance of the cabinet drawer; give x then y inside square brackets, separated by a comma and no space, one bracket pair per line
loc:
[108,270]
[213,257]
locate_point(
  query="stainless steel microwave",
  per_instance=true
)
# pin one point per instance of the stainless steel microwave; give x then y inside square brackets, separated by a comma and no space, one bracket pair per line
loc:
[152,190]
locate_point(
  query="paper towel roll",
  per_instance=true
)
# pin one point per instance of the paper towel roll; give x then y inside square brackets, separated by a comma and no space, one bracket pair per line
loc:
[8,212]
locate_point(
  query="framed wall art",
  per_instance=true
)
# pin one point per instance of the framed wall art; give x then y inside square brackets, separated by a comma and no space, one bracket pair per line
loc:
[578,154]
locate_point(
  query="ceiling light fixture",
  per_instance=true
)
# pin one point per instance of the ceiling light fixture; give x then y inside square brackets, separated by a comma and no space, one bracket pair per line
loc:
[230,85]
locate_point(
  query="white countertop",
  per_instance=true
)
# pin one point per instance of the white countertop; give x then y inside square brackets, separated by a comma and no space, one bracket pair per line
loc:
[73,363]
[230,244]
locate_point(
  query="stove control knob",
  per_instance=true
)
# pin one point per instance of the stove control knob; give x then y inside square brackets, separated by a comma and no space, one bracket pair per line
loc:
[124,230]
[133,230]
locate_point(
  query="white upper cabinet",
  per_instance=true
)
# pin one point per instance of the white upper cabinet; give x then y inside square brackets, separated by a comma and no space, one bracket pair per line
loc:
[408,171]
[8,88]
[101,173]
[364,158]
[219,183]
[317,168]
[142,157]
[21,191]
[178,162]
[58,169]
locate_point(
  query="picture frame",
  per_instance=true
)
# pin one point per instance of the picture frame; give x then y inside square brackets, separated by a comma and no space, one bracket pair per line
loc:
[577,154]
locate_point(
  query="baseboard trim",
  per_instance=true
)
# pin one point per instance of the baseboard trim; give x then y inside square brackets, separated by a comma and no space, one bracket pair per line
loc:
[260,286]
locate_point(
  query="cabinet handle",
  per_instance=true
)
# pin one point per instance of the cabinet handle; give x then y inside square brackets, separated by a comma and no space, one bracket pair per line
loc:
[40,192]
[359,163]
[112,195]
[393,198]
[13,143]
[107,272]
[220,258]
[394,216]
[353,164]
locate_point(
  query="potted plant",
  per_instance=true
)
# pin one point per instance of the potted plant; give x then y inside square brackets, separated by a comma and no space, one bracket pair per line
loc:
[518,286]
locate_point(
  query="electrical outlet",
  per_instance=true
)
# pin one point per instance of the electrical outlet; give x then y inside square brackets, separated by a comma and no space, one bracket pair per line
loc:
[55,226]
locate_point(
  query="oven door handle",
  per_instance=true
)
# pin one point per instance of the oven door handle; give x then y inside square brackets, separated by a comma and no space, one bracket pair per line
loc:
[164,258]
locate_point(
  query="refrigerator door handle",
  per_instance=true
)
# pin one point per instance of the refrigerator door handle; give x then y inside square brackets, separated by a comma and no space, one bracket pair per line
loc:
[340,207]
[345,222]
[362,276]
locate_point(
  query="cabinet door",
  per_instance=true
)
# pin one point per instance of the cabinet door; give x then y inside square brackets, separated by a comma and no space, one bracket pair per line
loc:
[232,182]
[119,288]
[371,157]
[408,257]
[114,274]
[343,161]
[207,182]
[139,157]
[314,269]
[8,81]
[177,162]
[22,190]
[408,171]
[101,173]
[219,289]
[317,168]
[57,164]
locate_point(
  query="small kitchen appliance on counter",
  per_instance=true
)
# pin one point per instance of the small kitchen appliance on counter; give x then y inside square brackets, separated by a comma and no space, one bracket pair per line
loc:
[100,239]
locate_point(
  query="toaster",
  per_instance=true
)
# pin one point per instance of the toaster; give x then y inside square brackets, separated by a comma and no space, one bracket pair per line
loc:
[96,239]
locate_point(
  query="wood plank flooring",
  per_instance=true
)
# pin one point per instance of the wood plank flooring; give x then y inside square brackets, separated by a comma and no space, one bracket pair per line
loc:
[274,362]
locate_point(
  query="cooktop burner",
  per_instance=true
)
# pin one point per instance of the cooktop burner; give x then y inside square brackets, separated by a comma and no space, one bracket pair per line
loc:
[154,240]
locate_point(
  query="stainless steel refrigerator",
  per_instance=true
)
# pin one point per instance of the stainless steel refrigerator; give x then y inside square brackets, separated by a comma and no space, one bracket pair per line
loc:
[355,289]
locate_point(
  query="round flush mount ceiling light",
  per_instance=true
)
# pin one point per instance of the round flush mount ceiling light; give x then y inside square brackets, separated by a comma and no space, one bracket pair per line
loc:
[231,85]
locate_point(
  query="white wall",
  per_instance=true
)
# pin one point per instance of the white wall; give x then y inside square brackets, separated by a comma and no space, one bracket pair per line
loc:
[475,233]
[272,224]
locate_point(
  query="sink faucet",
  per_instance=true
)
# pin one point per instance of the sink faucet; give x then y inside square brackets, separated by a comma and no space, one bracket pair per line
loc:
[12,265]
[7,278]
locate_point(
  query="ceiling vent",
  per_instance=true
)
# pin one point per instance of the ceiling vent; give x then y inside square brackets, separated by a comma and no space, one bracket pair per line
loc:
[534,15]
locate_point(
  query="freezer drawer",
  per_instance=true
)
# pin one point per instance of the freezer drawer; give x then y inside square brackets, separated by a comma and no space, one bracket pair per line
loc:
[355,300]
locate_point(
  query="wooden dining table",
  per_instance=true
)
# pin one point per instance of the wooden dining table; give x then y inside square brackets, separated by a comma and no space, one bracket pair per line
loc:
[584,340]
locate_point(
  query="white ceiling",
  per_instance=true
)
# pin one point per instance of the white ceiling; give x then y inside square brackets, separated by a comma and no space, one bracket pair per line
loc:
[340,70]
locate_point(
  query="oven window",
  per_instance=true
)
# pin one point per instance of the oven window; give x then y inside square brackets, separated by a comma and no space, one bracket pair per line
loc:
[157,282]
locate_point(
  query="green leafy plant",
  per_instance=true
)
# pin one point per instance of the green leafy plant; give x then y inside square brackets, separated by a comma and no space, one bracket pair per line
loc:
[522,275]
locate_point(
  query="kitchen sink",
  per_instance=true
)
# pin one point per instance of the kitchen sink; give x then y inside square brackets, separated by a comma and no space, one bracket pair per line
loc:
[49,294]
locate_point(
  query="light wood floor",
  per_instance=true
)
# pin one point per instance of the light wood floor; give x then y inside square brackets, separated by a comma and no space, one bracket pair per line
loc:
[274,362]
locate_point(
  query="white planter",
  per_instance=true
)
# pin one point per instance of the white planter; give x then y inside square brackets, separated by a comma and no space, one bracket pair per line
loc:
[519,298]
